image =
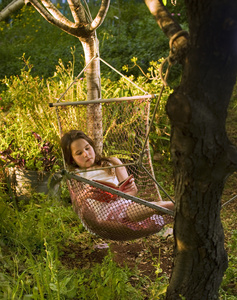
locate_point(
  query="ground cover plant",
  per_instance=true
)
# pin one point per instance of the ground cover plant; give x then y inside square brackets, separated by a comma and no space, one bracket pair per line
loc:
[46,254]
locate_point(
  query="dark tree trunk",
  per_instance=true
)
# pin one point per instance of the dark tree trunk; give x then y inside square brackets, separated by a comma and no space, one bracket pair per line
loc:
[202,155]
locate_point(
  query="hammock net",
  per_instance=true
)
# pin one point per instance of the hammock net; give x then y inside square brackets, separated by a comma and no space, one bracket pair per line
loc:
[103,212]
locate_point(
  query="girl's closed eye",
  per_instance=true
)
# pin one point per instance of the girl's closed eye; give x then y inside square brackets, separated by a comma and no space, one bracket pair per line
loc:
[83,153]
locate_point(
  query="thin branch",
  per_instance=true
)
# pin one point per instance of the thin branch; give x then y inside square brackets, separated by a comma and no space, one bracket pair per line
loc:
[79,30]
[10,8]
[78,11]
[87,10]
[100,15]
[170,27]
[43,10]
[56,13]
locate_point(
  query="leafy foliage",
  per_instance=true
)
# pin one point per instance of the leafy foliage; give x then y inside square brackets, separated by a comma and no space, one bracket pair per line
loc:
[28,33]
[43,160]
[128,30]
[25,110]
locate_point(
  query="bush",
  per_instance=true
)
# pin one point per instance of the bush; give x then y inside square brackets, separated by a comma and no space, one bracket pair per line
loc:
[30,127]
[128,30]
[30,34]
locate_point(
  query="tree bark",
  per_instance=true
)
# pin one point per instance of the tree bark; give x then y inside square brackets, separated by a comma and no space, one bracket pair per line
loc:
[178,38]
[202,154]
[84,28]
[94,111]
[11,8]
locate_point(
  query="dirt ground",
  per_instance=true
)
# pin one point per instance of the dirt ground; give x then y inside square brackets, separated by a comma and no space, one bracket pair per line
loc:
[139,253]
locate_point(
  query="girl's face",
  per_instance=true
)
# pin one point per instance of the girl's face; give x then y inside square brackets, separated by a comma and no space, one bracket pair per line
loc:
[83,153]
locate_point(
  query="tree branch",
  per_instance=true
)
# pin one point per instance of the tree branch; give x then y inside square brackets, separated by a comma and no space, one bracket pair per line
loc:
[63,23]
[55,12]
[100,15]
[178,38]
[10,8]
[54,17]
[163,18]
[80,29]
[78,11]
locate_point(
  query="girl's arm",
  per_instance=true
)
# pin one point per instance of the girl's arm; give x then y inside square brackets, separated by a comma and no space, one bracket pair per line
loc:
[122,174]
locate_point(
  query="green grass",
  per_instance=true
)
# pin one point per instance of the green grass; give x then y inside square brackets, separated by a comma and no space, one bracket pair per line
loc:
[35,264]
[32,243]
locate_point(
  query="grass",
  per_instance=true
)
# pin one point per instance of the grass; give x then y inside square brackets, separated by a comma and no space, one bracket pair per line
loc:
[32,242]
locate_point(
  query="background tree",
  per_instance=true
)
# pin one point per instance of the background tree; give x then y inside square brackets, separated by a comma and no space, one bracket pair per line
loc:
[202,154]
[125,33]
[84,28]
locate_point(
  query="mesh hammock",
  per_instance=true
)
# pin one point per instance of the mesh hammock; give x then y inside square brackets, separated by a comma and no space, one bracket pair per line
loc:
[102,209]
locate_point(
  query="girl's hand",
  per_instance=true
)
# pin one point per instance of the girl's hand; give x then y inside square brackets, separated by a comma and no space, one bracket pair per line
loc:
[131,188]
[122,174]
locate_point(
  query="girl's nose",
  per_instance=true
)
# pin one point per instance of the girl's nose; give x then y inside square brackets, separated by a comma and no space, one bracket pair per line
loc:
[85,153]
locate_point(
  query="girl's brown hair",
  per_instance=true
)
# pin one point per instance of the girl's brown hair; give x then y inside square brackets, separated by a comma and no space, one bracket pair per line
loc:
[72,136]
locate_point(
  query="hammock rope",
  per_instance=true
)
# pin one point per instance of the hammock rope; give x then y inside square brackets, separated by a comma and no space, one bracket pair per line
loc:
[118,100]
[230,200]
[127,120]
[96,101]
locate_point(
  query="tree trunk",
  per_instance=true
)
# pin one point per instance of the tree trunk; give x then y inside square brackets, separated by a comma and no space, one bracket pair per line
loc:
[84,28]
[94,111]
[202,154]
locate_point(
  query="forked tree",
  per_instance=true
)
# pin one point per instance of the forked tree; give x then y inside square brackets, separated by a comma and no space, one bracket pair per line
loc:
[202,154]
[84,28]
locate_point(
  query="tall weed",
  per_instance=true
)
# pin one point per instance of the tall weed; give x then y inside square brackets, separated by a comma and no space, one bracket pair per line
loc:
[229,283]
[32,242]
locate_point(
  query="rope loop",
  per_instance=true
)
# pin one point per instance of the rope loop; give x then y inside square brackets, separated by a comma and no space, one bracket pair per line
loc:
[175,37]
[173,55]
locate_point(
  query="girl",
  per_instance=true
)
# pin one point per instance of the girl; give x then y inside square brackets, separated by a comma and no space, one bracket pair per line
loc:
[79,153]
